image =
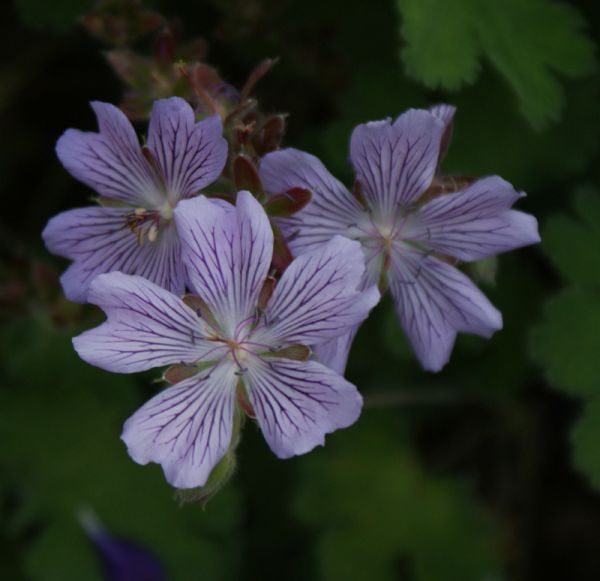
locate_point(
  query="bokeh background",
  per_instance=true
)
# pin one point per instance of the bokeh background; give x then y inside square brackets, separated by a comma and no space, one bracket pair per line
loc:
[487,471]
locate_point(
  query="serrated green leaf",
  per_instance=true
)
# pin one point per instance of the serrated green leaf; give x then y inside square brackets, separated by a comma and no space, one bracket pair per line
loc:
[491,138]
[527,41]
[584,439]
[441,47]
[566,343]
[377,508]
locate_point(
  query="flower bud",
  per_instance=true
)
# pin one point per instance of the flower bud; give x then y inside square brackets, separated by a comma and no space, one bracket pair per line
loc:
[245,175]
[121,559]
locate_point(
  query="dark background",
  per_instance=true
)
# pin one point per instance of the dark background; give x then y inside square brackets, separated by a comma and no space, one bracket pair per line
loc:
[485,471]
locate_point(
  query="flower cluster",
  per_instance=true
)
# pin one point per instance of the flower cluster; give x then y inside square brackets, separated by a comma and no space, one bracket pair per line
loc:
[243,342]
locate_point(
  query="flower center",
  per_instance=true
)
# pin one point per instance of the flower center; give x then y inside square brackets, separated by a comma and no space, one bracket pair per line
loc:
[386,233]
[382,230]
[146,224]
[239,353]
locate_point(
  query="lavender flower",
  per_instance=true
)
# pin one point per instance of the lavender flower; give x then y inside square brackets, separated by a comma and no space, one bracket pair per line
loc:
[410,242]
[239,349]
[132,230]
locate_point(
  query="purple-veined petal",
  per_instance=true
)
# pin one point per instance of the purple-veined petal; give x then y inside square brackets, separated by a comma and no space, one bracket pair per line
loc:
[374,253]
[98,240]
[297,402]
[434,301]
[475,222]
[395,162]
[319,296]
[227,254]
[111,161]
[186,428]
[444,113]
[190,155]
[334,353]
[146,327]
[332,209]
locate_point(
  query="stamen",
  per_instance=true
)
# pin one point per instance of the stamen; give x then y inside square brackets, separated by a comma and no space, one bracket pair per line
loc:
[144,224]
[255,344]
[242,324]
[242,370]
[205,355]
[152,233]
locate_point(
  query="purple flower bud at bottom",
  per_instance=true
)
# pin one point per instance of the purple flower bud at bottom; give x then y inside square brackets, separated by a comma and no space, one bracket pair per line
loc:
[123,560]
[120,559]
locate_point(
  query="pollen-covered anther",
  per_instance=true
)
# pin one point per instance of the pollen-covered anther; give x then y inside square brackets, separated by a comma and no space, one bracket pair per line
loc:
[145,224]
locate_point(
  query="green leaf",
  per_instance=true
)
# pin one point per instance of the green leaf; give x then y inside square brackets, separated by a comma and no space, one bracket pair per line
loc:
[376,508]
[584,438]
[528,41]
[572,242]
[490,137]
[441,48]
[566,343]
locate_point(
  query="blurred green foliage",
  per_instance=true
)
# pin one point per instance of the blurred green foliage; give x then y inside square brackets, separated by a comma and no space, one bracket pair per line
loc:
[467,474]
[566,342]
[62,419]
[585,437]
[425,526]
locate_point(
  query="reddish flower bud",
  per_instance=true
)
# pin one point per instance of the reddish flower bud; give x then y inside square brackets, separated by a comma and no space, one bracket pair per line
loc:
[245,175]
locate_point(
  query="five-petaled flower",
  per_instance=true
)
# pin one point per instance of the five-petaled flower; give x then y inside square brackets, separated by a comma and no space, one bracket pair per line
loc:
[242,347]
[132,231]
[411,239]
